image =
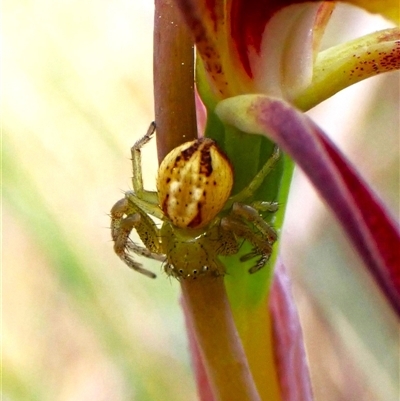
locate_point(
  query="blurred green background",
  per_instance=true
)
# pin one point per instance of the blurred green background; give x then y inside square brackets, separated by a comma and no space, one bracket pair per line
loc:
[77,324]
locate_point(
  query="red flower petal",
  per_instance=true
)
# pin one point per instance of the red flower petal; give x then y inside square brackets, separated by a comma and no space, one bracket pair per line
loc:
[363,217]
[385,237]
[248,19]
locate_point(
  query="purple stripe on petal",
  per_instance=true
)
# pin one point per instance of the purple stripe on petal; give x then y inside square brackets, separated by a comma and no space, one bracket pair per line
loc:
[289,348]
[368,225]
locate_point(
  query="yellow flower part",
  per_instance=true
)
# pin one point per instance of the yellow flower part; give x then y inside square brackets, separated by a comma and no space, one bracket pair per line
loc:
[388,8]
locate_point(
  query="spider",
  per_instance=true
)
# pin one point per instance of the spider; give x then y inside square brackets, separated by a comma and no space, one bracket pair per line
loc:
[200,219]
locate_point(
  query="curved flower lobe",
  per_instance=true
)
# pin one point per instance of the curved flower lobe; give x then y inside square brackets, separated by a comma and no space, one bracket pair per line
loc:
[371,230]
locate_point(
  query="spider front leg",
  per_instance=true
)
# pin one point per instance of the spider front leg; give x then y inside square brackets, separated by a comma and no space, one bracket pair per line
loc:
[126,216]
[137,179]
[255,183]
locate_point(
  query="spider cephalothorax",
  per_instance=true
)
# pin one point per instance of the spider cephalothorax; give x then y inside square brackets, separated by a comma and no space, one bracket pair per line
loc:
[200,219]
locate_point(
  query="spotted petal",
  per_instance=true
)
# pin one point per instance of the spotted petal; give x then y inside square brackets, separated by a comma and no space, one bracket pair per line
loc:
[256,46]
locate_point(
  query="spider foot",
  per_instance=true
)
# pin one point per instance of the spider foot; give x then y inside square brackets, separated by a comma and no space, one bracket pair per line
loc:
[264,206]
[262,242]
[260,263]
[136,265]
[251,215]
[123,245]
[146,138]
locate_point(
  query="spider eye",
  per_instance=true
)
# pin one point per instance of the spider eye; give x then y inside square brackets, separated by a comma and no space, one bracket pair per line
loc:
[194,182]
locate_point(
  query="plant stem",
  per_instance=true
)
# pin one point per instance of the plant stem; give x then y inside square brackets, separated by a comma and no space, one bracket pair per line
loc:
[210,317]
[206,303]
[173,69]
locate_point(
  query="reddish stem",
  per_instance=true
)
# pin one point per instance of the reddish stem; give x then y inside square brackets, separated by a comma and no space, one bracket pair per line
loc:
[206,302]
[173,75]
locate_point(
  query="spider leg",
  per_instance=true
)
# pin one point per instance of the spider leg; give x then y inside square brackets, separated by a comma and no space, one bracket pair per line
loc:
[137,179]
[142,251]
[256,182]
[261,246]
[265,206]
[250,214]
[117,213]
[130,262]
[145,205]
[121,227]
[228,244]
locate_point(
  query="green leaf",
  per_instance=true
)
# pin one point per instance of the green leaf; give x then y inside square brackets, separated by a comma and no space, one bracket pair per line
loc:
[248,153]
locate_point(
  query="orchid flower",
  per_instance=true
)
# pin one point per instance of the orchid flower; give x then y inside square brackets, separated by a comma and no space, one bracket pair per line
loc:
[258,67]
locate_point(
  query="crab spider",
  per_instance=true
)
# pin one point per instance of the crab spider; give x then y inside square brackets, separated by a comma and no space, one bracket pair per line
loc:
[200,219]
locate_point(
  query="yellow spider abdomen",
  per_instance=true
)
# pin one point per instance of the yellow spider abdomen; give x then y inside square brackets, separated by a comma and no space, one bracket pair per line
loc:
[194,182]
